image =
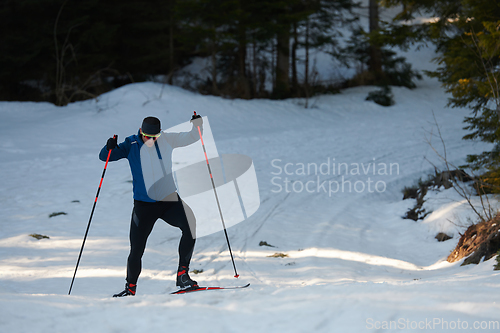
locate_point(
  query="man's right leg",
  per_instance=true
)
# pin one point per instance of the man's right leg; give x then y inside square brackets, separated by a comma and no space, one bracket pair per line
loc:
[144,217]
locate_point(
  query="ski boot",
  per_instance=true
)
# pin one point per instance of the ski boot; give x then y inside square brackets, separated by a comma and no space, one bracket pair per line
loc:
[183,279]
[129,290]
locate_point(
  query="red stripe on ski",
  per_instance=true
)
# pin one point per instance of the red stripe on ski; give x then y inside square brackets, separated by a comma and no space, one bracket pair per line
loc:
[189,290]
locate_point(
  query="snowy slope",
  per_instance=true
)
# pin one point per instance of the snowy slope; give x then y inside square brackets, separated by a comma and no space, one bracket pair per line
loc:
[353,264]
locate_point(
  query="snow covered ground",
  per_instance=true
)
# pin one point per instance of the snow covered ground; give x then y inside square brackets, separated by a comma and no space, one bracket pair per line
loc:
[330,180]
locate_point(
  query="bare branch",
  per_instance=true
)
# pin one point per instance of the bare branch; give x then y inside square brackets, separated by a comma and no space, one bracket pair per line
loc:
[459,188]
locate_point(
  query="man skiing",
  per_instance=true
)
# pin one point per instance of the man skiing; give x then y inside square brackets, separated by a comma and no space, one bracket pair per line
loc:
[148,210]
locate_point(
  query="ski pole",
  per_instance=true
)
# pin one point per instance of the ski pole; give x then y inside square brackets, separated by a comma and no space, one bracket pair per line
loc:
[216,197]
[90,219]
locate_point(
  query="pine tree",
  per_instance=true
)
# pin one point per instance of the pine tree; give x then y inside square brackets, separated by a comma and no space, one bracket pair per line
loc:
[469,70]
[316,24]
[60,50]
[371,50]
[467,36]
[26,41]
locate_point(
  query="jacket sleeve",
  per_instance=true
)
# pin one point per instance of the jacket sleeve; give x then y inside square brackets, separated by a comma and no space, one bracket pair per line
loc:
[121,151]
[183,139]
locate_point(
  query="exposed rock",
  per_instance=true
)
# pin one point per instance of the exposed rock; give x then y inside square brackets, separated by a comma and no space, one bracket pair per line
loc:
[441,237]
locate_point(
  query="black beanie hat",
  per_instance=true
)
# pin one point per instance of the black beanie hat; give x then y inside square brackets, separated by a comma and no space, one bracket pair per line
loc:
[151,126]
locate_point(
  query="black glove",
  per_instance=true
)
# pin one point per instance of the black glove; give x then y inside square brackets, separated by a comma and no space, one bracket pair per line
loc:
[196,120]
[112,143]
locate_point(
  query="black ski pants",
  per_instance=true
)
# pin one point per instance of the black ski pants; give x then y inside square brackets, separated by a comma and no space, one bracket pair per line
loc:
[144,217]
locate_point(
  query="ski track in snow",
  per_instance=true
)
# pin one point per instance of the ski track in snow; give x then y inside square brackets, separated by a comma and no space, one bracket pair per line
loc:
[352,260]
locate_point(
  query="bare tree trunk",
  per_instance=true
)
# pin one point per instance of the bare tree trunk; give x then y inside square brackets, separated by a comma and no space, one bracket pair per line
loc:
[373,13]
[214,67]
[243,85]
[306,75]
[273,65]
[59,79]
[171,63]
[283,64]
[375,62]
[61,86]
[295,83]
[254,67]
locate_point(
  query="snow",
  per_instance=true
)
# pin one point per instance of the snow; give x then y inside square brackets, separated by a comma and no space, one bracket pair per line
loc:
[352,265]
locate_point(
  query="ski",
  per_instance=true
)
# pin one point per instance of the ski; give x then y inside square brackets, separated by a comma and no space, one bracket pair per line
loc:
[190,290]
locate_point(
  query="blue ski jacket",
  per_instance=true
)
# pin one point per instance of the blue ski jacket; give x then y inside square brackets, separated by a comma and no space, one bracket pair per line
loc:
[130,149]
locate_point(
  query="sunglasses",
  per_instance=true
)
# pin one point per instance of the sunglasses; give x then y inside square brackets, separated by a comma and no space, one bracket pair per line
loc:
[148,137]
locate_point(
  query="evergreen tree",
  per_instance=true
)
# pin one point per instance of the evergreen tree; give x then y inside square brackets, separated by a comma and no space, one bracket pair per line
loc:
[379,64]
[25,43]
[312,24]
[467,36]
[219,29]
[62,50]
[322,30]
